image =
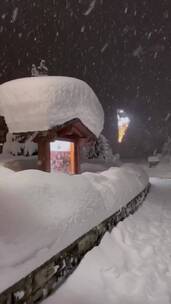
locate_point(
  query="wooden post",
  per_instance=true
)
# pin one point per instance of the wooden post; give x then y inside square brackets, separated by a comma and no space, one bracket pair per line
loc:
[44,156]
[77,156]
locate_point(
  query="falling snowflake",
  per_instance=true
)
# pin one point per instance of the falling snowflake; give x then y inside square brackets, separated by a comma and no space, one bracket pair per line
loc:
[138,52]
[90,8]
[14,15]
[104,47]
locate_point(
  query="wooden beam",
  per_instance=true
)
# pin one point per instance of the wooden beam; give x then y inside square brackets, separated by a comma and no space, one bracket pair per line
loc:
[44,156]
[77,156]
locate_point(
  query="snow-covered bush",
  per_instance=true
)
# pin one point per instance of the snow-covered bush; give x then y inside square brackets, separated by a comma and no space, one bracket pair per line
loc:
[164,156]
[12,145]
[166,150]
[153,160]
[41,70]
[100,150]
[16,145]
[29,146]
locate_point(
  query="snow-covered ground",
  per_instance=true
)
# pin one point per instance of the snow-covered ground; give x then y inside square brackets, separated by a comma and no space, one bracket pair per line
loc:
[18,163]
[42,213]
[162,170]
[132,265]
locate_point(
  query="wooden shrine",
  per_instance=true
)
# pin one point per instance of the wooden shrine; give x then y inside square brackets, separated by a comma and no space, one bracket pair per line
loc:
[74,131]
[51,109]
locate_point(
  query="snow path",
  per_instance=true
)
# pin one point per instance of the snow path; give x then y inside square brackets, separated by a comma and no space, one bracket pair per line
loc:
[132,265]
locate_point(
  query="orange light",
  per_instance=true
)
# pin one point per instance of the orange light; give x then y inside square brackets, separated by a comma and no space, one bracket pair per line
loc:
[72,158]
[123,124]
[122,131]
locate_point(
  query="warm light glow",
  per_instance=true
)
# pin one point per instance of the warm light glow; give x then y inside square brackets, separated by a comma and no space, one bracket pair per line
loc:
[123,124]
[122,132]
[62,156]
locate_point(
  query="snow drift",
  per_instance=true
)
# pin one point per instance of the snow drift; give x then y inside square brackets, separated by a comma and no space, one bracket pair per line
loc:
[132,263]
[40,103]
[42,213]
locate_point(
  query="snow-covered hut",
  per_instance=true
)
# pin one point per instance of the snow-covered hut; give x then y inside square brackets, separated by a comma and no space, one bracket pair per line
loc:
[55,108]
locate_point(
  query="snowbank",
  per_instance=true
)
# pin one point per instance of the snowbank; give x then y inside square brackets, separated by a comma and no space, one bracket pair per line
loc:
[19,162]
[132,264]
[40,103]
[94,166]
[161,170]
[42,213]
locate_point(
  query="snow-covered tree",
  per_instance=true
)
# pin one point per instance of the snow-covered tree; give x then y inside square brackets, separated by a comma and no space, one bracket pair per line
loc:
[17,145]
[29,146]
[12,145]
[41,70]
[100,150]
[166,150]
[34,71]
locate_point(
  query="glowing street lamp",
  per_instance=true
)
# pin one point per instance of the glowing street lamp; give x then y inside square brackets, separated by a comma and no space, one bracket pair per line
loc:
[123,124]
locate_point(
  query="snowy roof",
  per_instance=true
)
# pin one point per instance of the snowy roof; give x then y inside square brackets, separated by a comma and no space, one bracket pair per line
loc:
[40,103]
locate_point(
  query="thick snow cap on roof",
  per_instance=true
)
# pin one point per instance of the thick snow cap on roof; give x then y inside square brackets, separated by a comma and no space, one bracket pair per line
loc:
[40,103]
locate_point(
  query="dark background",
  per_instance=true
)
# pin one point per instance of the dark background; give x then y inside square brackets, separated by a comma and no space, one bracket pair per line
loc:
[121,48]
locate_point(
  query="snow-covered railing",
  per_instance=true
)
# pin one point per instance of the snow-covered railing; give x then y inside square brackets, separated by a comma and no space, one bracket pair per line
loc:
[44,280]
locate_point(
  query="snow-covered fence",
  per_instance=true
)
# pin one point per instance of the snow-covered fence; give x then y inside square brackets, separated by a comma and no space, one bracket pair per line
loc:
[48,277]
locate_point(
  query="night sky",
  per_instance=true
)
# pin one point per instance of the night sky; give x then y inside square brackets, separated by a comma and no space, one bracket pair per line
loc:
[121,48]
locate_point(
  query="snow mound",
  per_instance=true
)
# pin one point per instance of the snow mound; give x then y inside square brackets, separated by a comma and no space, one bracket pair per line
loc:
[132,263]
[42,213]
[40,103]
[153,158]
